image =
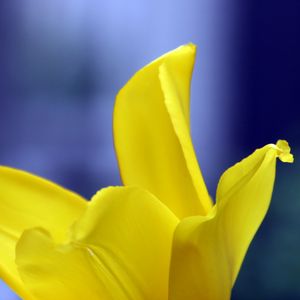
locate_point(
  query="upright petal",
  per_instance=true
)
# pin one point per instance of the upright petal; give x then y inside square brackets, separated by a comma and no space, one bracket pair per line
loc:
[28,201]
[208,251]
[119,249]
[152,134]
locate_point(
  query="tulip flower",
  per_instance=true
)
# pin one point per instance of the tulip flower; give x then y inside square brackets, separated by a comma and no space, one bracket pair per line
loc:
[160,237]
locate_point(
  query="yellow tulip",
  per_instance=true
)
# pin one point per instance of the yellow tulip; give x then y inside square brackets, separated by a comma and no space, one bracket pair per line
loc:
[158,238]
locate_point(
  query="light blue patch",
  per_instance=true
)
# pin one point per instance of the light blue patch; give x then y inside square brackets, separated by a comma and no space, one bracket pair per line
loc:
[6,293]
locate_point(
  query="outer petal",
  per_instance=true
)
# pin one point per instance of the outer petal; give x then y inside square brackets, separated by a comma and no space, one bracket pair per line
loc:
[152,137]
[119,249]
[208,251]
[8,270]
[27,201]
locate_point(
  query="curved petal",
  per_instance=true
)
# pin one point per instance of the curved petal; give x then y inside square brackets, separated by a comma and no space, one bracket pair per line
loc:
[119,249]
[28,201]
[208,251]
[8,270]
[152,135]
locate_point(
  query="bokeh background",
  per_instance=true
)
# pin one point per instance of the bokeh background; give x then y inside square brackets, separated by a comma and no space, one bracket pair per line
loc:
[62,63]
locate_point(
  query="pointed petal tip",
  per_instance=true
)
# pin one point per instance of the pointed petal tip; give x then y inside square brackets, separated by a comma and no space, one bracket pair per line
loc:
[284,151]
[191,46]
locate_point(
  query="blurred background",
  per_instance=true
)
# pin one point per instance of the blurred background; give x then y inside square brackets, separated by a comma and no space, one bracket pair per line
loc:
[62,63]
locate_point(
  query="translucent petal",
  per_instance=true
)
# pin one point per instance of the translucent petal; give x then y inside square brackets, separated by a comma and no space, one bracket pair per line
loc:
[208,251]
[152,135]
[119,249]
[28,201]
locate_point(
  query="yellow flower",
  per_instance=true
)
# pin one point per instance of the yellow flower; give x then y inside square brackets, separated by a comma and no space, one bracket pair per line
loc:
[159,238]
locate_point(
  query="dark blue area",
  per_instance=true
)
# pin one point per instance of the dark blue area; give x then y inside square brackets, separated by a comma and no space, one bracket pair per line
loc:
[270,73]
[269,107]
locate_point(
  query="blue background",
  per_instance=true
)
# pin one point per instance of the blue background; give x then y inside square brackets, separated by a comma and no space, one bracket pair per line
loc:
[62,63]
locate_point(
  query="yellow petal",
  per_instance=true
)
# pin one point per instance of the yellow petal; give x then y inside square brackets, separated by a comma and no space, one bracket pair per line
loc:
[208,251]
[8,270]
[119,249]
[28,201]
[152,135]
